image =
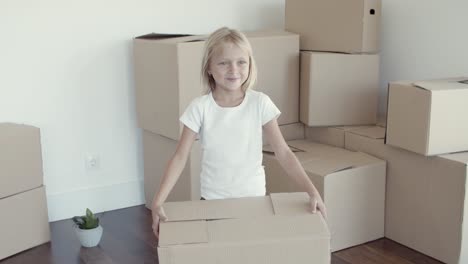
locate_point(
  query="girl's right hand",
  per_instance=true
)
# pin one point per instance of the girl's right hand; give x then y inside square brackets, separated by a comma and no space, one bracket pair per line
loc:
[158,215]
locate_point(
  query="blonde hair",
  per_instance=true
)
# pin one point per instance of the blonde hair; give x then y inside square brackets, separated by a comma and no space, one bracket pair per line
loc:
[218,37]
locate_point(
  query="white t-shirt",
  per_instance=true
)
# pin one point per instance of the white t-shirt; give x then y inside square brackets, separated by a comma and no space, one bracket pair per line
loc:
[231,141]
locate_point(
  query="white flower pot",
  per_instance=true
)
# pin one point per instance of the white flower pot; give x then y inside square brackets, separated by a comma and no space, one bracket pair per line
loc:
[89,237]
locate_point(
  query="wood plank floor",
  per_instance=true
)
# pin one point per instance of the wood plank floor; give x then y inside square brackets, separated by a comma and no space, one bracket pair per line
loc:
[128,239]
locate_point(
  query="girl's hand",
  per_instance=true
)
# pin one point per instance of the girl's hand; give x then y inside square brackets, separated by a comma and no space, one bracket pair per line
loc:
[158,215]
[316,203]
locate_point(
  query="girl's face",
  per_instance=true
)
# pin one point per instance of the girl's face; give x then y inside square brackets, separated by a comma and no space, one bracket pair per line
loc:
[229,67]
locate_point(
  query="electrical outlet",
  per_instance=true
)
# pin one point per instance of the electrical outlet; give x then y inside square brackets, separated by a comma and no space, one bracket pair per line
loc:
[92,162]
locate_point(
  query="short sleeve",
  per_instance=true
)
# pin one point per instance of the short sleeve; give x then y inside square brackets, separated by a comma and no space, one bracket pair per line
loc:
[192,116]
[269,110]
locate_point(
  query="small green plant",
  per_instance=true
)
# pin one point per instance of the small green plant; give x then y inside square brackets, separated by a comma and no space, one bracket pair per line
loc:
[88,221]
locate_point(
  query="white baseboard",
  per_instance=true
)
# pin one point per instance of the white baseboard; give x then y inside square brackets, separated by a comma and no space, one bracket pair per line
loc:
[97,199]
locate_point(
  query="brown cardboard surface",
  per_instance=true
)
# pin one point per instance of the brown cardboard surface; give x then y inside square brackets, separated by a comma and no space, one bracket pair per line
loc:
[249,233]
[338,89]
[157,151]
[278,79]
[161,96]
[20,158]
[335,25]
[317,150]
[290,132]
[382,120]
[167,76]
[24,223]
[334,136]
[425,198]
[218,209]
[352,185]
[424,116]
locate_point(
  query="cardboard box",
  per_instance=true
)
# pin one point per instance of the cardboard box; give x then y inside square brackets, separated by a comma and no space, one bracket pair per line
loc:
[428,117]
[167,76]
[269,229]
[335,25]
[24,223]
[279,79]
[20,158]
[290,132]
[425,199]
[334,136]
[157,151]
[352,186]
[338,89]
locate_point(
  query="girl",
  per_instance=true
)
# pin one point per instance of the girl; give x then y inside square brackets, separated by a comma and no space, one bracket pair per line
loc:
[229,120]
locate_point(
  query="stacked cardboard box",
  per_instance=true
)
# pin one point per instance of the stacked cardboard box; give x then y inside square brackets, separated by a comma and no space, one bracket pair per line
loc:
[426,185]
[167,76]
[339,60]
[24,222]
[339,85]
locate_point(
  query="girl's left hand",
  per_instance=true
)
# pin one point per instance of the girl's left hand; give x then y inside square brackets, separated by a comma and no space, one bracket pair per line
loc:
[316,203]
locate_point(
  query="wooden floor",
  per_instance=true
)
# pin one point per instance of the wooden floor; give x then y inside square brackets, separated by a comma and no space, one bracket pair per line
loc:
[128,239]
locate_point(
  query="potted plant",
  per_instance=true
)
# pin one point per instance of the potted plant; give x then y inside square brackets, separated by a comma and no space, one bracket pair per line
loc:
[87,229]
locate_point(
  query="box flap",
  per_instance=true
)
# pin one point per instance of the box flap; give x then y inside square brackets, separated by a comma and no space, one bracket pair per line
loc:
[172,38]
[218,209]
[316,149]
[435,85]
[290,203]
[186,232]
[324,167]
[376,132]
[162,36]
[268,149]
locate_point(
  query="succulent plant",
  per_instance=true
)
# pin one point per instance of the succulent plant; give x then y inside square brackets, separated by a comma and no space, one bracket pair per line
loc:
[88,221]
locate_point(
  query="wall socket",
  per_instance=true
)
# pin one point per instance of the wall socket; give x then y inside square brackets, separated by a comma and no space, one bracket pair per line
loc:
[92,162]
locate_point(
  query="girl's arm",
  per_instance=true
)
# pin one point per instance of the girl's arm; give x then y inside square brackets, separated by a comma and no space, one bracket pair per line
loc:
[171,175]
[291,165]
[175,166]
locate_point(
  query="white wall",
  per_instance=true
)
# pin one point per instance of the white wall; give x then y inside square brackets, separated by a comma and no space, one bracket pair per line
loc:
[66,67]
[422,39]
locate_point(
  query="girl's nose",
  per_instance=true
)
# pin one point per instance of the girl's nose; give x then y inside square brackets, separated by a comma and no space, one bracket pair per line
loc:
[232,66]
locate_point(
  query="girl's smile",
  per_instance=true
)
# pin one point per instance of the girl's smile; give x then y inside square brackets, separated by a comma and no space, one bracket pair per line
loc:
[229,67]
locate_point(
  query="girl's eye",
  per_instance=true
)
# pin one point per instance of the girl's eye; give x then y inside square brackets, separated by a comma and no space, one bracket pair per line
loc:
[222,63]
[242,62]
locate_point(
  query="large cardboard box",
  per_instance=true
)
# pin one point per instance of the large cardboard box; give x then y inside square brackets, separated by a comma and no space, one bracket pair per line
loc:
[263,230]
[428,117]
[352,186]
[426,197]
[350,26]
[168,68]
[24,223]
[157,151]
[20,158]
[338,89]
